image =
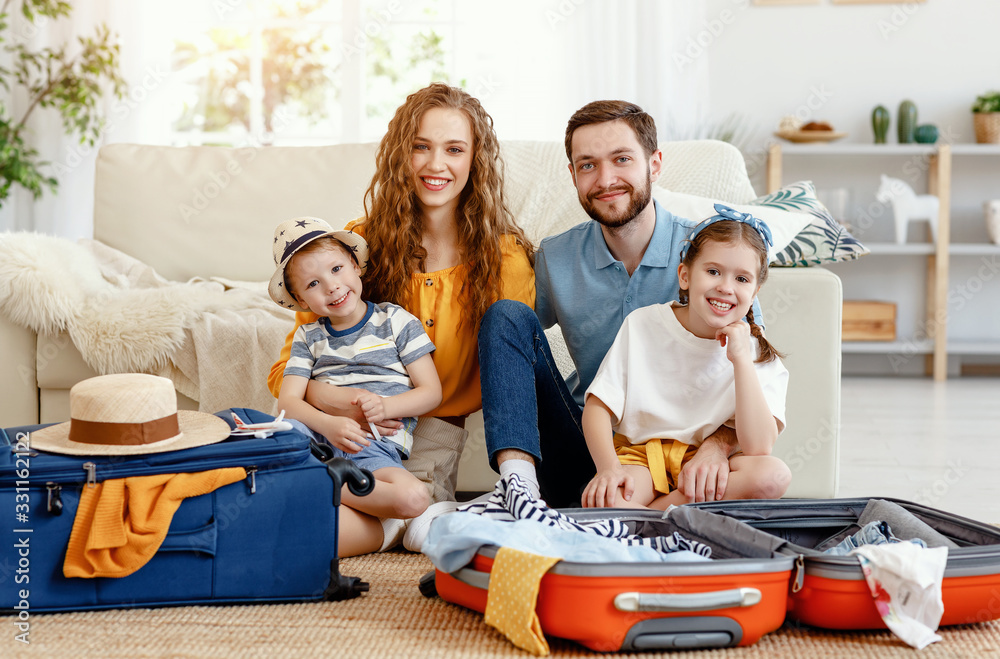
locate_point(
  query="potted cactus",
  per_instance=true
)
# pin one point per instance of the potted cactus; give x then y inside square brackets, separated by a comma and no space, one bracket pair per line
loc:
[986,118]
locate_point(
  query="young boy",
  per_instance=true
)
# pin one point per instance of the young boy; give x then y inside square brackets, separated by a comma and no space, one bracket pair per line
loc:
[378,355]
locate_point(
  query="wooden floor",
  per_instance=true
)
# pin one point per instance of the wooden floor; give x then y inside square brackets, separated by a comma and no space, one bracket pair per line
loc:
[936,443]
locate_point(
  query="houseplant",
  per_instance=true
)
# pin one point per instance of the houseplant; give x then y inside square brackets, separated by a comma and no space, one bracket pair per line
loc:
[71,79]
[986,117]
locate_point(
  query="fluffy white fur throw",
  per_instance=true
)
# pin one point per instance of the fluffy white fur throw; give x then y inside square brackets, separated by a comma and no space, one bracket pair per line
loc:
[215,340]
[45,281]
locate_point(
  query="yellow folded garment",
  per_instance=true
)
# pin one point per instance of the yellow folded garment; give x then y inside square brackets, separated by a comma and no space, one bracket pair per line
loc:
[121,523]
[510,601]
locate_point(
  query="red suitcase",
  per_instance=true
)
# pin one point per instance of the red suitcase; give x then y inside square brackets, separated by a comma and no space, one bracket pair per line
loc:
[766,566]
[831,592]
[643,606]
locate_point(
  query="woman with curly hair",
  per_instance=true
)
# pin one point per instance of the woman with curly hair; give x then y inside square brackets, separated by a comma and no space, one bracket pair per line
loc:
[444,246]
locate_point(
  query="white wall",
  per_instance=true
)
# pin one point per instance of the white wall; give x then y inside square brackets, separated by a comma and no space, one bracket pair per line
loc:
[532,63]
[687,62]
[837,62]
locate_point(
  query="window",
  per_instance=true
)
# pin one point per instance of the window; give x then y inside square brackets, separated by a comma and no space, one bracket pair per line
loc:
[299,71]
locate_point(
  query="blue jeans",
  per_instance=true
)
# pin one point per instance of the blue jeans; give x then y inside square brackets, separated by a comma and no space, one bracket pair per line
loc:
[527,405]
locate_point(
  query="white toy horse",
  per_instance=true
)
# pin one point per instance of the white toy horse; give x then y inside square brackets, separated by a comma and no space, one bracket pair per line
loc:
[907,205]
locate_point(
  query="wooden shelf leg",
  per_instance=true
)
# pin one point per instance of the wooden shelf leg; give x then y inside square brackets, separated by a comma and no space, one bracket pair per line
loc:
[939,183]
[773,168]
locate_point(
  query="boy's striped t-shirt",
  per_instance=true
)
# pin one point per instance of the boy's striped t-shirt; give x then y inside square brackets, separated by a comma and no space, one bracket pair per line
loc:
[372,355]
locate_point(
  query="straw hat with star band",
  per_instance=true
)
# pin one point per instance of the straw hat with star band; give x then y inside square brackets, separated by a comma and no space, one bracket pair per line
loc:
[292,235]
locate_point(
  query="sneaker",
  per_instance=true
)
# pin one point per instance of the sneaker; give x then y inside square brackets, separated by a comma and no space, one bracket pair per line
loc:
[418,527]
[392,532]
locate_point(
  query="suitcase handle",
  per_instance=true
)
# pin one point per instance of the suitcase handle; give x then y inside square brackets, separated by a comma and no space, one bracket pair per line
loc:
[683,602]
[201,541]
[474,578]
[661,602]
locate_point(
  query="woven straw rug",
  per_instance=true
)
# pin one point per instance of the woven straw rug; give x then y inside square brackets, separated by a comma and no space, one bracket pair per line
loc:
[395,620]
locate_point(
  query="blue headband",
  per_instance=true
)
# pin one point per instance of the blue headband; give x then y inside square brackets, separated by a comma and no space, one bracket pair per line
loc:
[726,213]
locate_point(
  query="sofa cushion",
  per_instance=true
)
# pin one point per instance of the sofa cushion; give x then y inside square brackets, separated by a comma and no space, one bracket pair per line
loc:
[540,193]
[824,240]
[211,211]
[784,225]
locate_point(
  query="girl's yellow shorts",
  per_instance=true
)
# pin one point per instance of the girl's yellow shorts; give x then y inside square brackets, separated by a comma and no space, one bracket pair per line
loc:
[664,459]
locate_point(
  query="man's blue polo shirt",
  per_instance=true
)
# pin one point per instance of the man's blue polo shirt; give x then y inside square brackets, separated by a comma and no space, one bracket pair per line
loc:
[580,286]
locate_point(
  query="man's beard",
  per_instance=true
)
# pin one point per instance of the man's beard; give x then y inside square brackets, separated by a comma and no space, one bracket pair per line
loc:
[638,200]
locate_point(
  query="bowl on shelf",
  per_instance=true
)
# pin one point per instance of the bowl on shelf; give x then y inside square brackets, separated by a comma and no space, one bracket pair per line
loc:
[810,135]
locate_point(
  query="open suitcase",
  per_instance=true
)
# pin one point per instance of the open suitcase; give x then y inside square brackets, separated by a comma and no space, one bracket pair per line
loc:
[269,538]
[766,568]
[831,592]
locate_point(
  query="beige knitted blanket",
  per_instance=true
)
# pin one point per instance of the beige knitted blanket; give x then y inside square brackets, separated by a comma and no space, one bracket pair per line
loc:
[216,339]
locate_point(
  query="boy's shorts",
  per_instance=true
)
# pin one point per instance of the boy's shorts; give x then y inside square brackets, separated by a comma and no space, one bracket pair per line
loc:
[377,455]
[664,459]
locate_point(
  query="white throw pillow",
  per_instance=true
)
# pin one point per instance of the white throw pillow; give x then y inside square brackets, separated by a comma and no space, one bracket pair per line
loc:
[784,225]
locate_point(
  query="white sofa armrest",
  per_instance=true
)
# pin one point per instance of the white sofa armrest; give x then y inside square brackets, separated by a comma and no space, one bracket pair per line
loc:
[802,318]
[18,377]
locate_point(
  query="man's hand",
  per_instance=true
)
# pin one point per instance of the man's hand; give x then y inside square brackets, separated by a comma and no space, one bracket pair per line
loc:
[706,474]
[602,488]
[344,433]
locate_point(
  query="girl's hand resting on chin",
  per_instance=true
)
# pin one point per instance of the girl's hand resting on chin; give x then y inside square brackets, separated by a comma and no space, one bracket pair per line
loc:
[737,341]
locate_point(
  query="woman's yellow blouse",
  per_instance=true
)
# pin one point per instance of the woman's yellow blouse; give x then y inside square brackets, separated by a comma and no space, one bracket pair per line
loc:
[435,302]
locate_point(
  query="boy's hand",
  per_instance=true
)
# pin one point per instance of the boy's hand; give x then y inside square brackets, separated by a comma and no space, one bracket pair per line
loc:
[736,339]
[371,405]
[602,490]
[344,433]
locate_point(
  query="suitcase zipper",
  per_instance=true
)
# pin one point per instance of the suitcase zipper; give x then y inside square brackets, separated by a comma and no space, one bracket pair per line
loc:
[252,477]
[91,470]
[800,573]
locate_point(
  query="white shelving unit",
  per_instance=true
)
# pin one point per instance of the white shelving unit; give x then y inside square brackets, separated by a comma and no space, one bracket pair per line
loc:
[936,346]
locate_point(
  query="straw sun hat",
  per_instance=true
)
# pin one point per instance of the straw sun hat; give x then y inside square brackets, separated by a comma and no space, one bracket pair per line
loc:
[292,235]
[128,414]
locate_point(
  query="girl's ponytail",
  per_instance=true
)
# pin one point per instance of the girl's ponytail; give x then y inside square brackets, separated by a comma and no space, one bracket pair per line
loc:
[767,351]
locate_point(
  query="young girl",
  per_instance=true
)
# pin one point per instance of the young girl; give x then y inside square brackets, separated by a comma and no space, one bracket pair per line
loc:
[678,371]
[443,246]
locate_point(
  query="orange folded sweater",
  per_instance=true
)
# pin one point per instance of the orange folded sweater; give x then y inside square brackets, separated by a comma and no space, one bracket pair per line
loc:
[121,523]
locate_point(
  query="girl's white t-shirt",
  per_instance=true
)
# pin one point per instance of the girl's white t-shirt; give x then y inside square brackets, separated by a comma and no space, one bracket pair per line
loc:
[660,381]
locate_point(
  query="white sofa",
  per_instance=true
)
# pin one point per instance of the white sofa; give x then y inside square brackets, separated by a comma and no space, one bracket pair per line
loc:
[210,211]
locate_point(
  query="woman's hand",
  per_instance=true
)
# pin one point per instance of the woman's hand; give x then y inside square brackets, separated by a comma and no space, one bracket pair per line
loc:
[603,489]
[339,401]
[736,339]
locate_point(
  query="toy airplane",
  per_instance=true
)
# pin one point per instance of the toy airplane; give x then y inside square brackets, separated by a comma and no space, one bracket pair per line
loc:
[259,430]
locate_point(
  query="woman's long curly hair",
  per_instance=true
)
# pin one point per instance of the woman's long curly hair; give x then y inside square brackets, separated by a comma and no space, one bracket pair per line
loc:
[735,233]
[393,222]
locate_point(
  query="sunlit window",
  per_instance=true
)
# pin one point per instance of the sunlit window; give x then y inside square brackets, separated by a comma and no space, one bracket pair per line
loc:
[300,71]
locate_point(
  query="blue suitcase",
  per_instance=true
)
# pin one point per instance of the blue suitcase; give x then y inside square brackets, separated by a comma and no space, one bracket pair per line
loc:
[269,538]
